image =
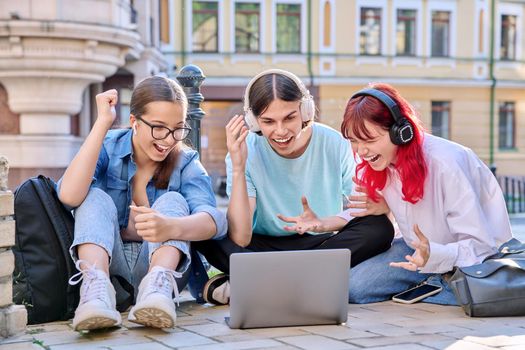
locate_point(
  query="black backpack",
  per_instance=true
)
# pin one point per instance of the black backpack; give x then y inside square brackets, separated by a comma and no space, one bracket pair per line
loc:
[43,266]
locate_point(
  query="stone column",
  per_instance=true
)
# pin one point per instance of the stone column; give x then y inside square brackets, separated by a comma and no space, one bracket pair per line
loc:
[13,318]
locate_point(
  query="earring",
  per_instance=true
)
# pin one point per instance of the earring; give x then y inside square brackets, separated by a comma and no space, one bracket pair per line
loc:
[134,128]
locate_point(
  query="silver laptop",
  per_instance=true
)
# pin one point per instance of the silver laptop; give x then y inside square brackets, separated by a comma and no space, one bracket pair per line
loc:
[291,288]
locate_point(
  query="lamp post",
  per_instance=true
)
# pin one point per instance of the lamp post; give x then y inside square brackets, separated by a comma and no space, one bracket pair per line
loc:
[190,78]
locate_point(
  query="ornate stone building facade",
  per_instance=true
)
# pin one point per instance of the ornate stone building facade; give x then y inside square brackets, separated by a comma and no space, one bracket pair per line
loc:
[55,55]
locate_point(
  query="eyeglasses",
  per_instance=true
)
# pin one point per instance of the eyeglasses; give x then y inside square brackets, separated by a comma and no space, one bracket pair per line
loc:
[159,132]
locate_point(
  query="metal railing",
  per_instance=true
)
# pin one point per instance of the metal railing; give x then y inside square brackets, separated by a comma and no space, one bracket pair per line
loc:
[513,188]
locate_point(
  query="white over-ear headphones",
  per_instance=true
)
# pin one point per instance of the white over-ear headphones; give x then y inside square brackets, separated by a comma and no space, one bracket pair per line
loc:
[307,102]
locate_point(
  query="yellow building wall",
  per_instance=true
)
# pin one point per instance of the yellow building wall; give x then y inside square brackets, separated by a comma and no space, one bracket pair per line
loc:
[462,79]
[470,110]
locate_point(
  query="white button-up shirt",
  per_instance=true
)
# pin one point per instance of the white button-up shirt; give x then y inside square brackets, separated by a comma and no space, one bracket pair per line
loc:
[462,212]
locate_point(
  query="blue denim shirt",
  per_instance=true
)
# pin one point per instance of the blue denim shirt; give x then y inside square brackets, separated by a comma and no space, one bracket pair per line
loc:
[116,168]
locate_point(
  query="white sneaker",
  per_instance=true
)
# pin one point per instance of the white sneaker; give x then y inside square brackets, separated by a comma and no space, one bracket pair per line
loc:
[155,306]
[97,306]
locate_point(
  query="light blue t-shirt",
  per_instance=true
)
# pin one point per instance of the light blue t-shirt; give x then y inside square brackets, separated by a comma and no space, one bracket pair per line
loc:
[323,173]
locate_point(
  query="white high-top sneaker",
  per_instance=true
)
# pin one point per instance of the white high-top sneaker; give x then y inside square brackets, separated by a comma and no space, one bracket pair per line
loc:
[155,306]
[97,306]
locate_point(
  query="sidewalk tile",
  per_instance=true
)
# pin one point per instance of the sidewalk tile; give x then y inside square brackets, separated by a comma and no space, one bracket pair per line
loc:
[401,347]
[191,321]
[94,340]
[465,345]
[277,332]
[379,328]
[141,346]
[338,332]
[17,339]
[181,339]
[489,332]
[243,336]
[152,332]
[439,344]
[506,321]
[49,327]
[61,337]
[436,328]
[316,342]
[254,344]
[467,323]
[20,346]
[212,329]
[407,339]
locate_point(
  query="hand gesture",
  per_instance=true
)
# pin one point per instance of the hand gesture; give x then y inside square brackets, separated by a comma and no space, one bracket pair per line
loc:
[307,221]
[236,133]
[420,256]
[106,102]
[151,225]
[362,201]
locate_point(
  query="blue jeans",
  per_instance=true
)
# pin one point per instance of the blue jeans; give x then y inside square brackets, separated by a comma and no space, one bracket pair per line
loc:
[96,222]
[374,280]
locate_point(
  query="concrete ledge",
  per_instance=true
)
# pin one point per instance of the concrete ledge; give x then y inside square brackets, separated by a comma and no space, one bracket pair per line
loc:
[13,320]
[6,291]
[7,233]
[7,262]
[6,203]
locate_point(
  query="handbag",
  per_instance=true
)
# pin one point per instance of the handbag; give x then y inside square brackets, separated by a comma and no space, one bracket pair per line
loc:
[496,287]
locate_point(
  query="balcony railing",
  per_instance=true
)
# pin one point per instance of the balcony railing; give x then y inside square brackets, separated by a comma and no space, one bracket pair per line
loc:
[513,188]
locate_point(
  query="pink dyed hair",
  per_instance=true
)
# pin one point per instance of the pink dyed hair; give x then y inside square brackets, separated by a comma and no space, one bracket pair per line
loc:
[410,160]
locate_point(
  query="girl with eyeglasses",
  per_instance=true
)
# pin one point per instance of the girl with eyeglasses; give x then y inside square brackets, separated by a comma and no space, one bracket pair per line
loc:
[139,196]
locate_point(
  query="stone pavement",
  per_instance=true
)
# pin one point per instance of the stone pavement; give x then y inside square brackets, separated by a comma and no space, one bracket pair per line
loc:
[386,325]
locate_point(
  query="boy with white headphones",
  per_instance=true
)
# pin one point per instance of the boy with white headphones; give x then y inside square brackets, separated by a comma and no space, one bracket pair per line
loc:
[281,163]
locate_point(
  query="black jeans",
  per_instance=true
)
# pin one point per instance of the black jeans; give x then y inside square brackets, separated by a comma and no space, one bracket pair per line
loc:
[365,237]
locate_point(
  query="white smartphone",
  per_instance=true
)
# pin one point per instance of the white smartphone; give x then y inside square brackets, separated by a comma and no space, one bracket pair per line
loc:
[416,294]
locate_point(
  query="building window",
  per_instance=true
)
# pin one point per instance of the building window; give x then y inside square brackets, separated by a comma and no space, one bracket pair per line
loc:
[288,28]
[440,33]
[124,103]
[508,37]
[507,122]
[247,23]
[406,33]
[132,12]
[327,32]
[164,22]
[441,119]
[481,31]
[370,31]
[205,26]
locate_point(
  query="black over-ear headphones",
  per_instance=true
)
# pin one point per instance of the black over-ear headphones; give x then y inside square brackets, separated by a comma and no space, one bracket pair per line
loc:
[401,132]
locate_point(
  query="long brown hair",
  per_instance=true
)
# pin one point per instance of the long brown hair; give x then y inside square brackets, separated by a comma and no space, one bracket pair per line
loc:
[153,89]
